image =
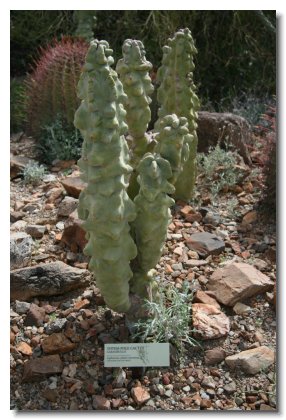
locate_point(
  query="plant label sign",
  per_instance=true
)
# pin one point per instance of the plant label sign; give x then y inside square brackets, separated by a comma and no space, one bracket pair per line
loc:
[136,354]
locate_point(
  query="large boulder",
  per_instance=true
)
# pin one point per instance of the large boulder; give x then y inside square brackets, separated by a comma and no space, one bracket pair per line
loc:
[48,279]
[238,281]
[215,127]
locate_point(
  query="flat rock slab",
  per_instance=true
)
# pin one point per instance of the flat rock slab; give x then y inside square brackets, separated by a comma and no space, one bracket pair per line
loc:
[36,231]
[17,165]
[20,249]
[251,361]
[73,185]
[238,281]
[209,322]
[202,297]
[38,369]
[206,243]
[49,279]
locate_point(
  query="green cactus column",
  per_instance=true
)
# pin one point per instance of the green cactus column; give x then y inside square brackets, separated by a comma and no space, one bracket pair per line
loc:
[153,217]
[176,95]
[104,205]
[133,70]
[172,144]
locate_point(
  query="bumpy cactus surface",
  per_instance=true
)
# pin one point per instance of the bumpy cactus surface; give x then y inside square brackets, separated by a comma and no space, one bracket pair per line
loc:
[172,144]
[133,70]
[153,217]
[85,21]
[104,205]
[51,86]
[176,94]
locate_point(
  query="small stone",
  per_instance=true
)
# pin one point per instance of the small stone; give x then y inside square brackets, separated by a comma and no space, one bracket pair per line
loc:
[230,388]
[249,217]
[36,231]
[186,210]
[265,407]
[16,215]
[60,225]
[67,206]
[22,307]
[53,195]
[202,297]
[57,343]
[49,178]
[18,226]
[74,236]
[50,394]
[165,379]
[178,266]
[212,219]
[208,382]
[186,388]
[35,316]
[80,304]
[195,263]
[24,348]
[205,403]
[251,361]
[100,403]
[260,264]
[140,395]
[193,217]
[120,378]
[241,309]
[39,368]
[214,356]
[55,326]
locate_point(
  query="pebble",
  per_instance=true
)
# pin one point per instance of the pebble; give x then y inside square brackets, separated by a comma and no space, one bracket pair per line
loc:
[22,307]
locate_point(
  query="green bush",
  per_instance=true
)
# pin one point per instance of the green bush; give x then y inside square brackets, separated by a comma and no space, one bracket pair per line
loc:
[33,173]
[59,141]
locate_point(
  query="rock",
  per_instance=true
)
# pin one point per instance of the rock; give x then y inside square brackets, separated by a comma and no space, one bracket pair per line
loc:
[202,297]
[20,249]
[249,217]
[260,264]
[49,178]
[205,243]
[265,407]
[48,279]
[51,394]
[53,195]
[214,356]
[241,309]
[120,378]
[212,219]
[73,185]
[195,263]
[214,127]
[80,304]
[57,343]
[36,231]
[238,281]
[193,217]
[24,348]
[20,225]
[209,322]
[140,395]
[38,369]
[17,165]
[208,382]
[55,326]
[230,388]
[35,316]
[67,206]
[100,403]
[22,307]
[74,235]
[251,361]
[16,215]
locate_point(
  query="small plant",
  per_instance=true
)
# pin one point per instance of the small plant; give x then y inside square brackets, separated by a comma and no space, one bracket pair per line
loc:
[33,173]
[169,319]
[59,141]
[219,169]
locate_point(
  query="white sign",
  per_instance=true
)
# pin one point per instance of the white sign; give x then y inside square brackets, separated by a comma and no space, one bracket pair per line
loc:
[136,354]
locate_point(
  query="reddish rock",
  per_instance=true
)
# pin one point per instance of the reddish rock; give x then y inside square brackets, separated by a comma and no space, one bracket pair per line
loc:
[67,206]
[205,403]
[202,297]
[35,316]
[116,403]
[100,403]
[140,395]
[165,379]
[38,369]
[238,281]
[214,356]
[249,217]
[209,322]
[57,343]
[251,361]
[193,217]
[80,304]
[74,235]
[73,185]
[24,348]
[186,210]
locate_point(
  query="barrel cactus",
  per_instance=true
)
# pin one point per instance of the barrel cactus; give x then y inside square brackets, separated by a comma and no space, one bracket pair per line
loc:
[176,95]
[51,86]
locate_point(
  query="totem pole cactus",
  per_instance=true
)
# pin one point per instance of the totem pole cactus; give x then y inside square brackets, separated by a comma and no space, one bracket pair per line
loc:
[104,204]
[176,94]
[153,217]
[172,144]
